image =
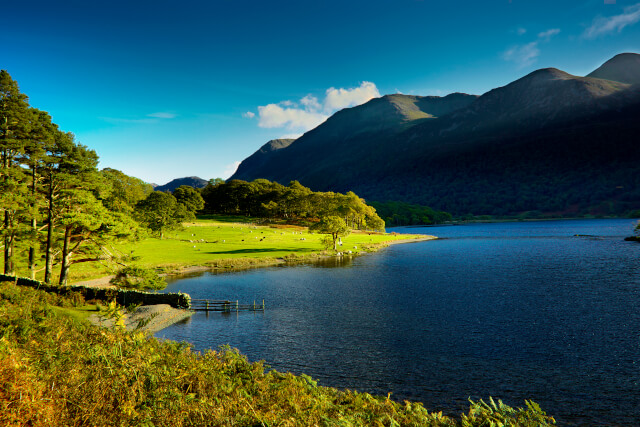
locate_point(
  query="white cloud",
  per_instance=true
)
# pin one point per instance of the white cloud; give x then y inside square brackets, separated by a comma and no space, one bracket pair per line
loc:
[546,35]
[274,116]
[521,31]
[527,54]
[524,55]
[617,23]
[162,115]
[291,136]
[230,169]
[249,115]
[337,99]
[311,103]
[309,112]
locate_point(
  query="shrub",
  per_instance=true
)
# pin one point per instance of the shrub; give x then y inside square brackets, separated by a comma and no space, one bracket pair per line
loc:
[135,277]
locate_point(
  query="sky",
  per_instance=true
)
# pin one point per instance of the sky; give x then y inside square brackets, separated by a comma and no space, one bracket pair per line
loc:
[168,89]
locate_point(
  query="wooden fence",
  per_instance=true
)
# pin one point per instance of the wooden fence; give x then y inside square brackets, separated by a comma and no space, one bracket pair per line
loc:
[224,306]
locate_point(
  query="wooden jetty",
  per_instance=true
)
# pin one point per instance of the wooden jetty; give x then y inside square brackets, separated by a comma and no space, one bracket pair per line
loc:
[224,306]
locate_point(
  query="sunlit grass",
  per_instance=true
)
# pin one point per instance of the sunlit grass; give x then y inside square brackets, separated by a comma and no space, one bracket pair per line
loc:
[225,242]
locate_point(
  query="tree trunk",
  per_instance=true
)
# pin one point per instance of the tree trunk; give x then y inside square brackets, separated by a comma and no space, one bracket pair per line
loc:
[8,238]
[8,246]
[49,248]
[66,262]
[34,228]
[335,239]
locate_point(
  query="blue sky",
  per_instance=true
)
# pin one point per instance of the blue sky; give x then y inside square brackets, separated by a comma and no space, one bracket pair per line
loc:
[166,89]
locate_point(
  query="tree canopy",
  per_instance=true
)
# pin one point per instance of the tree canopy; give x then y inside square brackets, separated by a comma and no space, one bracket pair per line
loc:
[52,197]
[332,225]
[161,212]
[266,199]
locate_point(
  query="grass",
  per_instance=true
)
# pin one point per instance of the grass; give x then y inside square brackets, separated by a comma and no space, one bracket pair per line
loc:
[55,370]
[80,314]
[226,242]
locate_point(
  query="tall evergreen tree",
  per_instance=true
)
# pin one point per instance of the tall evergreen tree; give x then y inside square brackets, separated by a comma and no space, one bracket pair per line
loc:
[41,136]
[14,125]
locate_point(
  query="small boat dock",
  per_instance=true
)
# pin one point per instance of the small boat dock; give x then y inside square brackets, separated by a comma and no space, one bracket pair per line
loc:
[224,306]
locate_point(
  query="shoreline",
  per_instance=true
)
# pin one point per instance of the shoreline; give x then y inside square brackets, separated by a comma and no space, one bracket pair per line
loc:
[233,265]
[160,316]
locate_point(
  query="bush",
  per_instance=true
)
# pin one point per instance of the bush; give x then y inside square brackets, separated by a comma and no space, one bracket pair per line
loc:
[135,277]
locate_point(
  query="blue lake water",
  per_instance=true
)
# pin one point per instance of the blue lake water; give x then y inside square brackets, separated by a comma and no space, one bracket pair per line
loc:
[515,311]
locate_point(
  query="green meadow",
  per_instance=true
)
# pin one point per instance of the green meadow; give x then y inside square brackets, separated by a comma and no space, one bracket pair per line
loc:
[231,242]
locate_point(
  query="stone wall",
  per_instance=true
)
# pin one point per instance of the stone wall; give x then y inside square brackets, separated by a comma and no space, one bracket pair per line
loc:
[122,296]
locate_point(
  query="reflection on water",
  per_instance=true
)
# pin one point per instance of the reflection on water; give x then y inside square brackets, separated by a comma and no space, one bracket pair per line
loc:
[515,311]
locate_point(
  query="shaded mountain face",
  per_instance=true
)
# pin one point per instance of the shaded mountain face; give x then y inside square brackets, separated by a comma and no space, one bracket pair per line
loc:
[548,142]
[264,156]
[624,68]
[192,181]
[345,134]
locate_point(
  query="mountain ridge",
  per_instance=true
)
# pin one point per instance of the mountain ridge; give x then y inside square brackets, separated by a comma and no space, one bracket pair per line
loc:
[535,123]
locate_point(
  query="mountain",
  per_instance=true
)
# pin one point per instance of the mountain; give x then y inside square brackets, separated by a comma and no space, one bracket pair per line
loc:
[344,133]
[624,68]
[264,156]
[549,142]
[192,181]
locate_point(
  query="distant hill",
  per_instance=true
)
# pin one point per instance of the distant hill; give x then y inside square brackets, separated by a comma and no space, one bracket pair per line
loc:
[547,143]
[624,68]
[192,181]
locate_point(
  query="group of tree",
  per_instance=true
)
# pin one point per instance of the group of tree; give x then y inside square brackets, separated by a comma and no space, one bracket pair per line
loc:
[162,211]
[266,199]
[401,213]
[56,208]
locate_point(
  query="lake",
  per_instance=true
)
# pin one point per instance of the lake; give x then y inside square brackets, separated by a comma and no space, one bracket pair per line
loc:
[523,310]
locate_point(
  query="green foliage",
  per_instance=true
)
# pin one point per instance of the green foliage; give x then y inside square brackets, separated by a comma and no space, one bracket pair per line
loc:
[161,212]
[332,225]
[115,315]
[189,197]
[137,277]
[57,371]
[46,177]
[262,198]
[401,213]
[500,415]
[124,191]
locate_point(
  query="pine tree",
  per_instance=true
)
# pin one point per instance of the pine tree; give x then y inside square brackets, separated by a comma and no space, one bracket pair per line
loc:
[14,127]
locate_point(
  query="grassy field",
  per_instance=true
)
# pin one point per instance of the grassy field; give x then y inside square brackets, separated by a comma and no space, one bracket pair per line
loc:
[226,242]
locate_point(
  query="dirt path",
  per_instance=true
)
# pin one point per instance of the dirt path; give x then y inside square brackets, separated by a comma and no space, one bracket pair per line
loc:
[101,282]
